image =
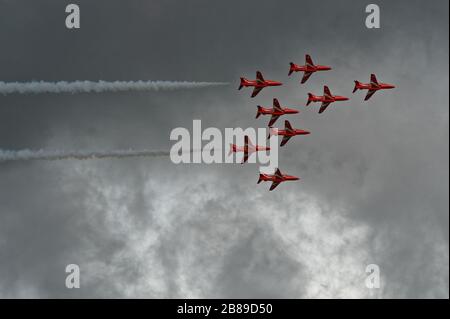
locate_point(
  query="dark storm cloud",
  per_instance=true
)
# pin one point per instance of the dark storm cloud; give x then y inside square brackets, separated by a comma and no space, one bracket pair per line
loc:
[374,174]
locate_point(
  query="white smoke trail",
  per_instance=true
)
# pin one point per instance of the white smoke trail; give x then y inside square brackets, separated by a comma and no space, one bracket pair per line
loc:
[100,86]
[26,155]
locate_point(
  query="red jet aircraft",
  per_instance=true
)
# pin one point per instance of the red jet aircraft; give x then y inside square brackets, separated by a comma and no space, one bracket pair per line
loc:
[248,148]
[287,133]
[309,68]
[373,86]
[326,99]
[276,178]
[276,111]
[258,84]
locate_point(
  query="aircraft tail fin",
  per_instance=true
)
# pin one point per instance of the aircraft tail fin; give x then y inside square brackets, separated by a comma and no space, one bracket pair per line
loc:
[291,68]
[259,112]
[357,86]
[310,98]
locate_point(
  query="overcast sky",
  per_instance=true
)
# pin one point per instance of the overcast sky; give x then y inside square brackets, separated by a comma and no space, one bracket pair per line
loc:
[374,187]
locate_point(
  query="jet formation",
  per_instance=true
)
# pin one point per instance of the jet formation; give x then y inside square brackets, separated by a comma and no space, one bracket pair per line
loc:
[277,110]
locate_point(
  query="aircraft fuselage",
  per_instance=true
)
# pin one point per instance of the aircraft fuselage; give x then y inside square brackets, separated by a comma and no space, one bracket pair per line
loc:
[310,68]
[292,132]
[272,111]
[278,179]
[375,87]
[260,84]
[327,99]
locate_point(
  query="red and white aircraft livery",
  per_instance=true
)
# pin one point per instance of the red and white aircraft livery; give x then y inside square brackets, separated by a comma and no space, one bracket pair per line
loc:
[248,148]
[326,99]
[372,87]
[258,84]
[287,133]
[276,178]
[309,68]
[276,111]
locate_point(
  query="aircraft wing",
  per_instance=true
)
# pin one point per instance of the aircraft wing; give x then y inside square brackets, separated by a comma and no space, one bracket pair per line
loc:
[369,94]
[274,184]
[285,140]
[276,105]
[256,90]
[309,61]
[326,91]
[373,79]
[278,173]
[306,77]
[273,119]
[259,76]
[246,156]
[288,126]
[324,106]
[247,141]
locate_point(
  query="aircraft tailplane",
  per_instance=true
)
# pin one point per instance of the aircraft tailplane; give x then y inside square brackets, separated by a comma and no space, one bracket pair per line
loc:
[357,86]
[232,149]
[291,69]
[259,111]
[241,85]
[310,98]
[260,178]
[272,132]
